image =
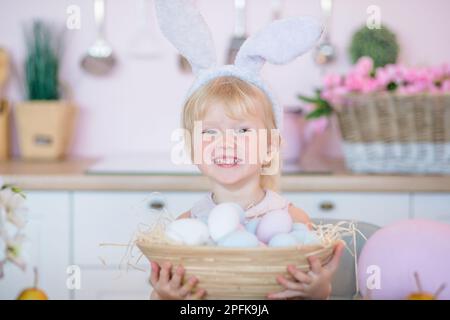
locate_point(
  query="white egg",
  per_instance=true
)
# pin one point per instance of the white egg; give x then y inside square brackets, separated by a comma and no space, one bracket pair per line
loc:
[224,219]
[174,236]
[191,232]
[239,239]
[283,240]
[241,212]
[252,224]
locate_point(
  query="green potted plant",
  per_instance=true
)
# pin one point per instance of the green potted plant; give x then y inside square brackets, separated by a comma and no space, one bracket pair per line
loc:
[45,121]
[379,44]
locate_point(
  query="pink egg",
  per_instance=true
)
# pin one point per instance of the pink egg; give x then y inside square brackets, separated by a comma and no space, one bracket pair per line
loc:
[273,223]
[392,255]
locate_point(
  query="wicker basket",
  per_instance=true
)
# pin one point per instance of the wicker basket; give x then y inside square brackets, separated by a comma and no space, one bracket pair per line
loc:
[390,133]
[231,273]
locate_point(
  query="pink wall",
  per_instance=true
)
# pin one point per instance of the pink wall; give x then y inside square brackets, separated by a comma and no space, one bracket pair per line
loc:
[135,109]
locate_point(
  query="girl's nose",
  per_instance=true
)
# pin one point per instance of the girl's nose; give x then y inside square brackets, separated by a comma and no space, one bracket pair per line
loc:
[227,139]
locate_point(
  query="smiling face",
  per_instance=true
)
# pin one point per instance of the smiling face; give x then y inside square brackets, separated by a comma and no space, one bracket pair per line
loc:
[232,126]
[230,148]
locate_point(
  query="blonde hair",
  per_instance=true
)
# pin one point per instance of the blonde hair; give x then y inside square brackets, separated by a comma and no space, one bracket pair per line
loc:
[240,99]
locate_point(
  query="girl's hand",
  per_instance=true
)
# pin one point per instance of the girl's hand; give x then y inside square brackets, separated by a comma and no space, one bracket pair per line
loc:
[167,284]
[316,284]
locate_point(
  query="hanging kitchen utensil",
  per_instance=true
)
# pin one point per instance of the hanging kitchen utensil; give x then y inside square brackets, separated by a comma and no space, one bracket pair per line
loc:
[325,52]
[239,36]
[144,44]
[100,59]
[276,9]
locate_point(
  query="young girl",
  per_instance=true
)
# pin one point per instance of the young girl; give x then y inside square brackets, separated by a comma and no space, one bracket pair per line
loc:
[230,116]
[230,105]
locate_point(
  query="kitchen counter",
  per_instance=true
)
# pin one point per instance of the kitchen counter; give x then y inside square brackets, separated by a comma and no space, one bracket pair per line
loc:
[316,176]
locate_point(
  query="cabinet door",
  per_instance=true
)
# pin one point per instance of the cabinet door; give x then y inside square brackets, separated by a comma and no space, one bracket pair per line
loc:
[113,218]
[47,247]
[376,208]
[113,284]
[434,206]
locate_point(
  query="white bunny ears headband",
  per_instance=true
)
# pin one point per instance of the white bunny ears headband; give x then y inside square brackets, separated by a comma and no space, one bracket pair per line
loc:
[278,43]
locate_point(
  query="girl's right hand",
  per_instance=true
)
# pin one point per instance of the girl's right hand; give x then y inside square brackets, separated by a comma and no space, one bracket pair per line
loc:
[168,284]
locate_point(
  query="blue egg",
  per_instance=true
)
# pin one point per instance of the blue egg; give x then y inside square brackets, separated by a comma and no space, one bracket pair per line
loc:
[311,238]
[252,224]
[300,227]
[299,235]
[239,239]
[283,240]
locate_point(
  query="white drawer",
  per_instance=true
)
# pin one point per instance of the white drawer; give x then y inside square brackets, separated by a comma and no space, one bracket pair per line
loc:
[434,206]
[113,217]
[113,285]
[377,208]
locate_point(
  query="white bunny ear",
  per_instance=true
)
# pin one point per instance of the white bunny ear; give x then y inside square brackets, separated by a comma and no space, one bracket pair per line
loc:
[182,24]
[279,43]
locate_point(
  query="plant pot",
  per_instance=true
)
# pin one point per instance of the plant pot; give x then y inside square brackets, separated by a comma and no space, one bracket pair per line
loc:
[293,126]
[328,143]
[4,129]
[45,128]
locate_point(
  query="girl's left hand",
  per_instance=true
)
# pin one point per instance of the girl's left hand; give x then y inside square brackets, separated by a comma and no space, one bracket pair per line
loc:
[316,284]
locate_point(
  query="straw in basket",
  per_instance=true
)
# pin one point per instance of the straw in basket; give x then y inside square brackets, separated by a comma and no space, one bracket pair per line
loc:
[238,273]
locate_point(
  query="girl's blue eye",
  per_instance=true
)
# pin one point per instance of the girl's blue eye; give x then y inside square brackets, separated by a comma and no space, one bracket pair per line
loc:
[244,130]
[209,131]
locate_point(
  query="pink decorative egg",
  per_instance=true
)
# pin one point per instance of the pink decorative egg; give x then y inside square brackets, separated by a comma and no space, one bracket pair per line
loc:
[393,254]
[273,223]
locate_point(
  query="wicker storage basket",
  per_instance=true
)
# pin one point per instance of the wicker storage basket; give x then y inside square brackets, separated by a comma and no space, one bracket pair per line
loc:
[232,273]
[390,133]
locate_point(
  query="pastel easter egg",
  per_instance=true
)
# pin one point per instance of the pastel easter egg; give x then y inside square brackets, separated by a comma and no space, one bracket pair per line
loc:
[224,219]
[239,239]
[299,235]
[252,224]
[241,213]
[273,223]
[191,232]
[311,239]
[283,240]
[298,226]
[403,252]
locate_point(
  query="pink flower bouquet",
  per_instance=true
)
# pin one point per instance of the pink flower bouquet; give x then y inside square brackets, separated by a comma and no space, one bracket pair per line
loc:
[363,78]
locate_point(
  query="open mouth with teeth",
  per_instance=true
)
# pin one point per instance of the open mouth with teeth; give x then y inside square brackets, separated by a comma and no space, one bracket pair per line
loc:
[227,162]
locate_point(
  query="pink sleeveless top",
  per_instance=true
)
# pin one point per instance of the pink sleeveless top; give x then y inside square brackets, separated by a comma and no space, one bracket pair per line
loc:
[271,201]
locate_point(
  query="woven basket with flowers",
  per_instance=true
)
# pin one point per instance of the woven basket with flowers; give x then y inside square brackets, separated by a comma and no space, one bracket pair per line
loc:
[393,119]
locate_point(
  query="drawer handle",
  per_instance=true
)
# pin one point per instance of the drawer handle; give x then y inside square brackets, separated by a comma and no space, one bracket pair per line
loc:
[327,206]
[157,205]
